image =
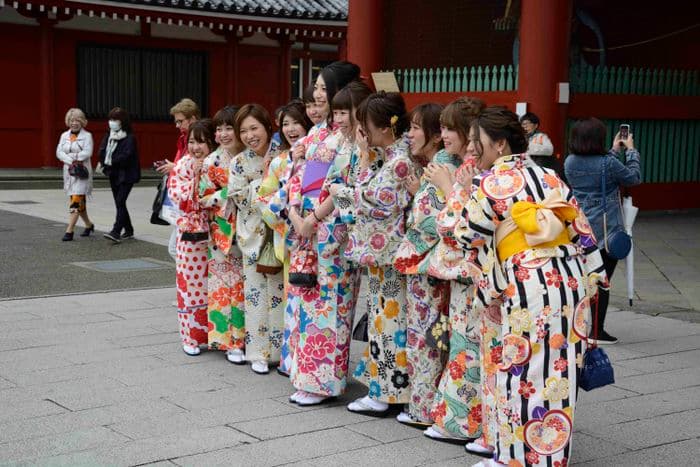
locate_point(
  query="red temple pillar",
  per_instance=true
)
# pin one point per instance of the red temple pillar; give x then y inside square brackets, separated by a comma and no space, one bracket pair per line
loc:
[364,37]
[545,28]
[47,93]
[285,69]
[232,69]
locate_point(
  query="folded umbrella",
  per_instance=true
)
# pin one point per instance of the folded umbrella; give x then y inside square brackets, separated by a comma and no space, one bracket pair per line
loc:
[629,214]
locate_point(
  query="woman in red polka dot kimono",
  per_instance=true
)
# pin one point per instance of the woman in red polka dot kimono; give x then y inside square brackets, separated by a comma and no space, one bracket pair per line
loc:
[193,236]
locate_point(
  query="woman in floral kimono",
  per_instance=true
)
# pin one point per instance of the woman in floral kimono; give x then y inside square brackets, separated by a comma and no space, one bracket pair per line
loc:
[456,412]
[193,231]
[381,200]
[263,292]
[225,281]
[427,297]
[320,362]
[538,254]
[273,200]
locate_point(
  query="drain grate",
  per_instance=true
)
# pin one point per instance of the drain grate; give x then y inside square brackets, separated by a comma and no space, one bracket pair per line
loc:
[125,265]
[21,202]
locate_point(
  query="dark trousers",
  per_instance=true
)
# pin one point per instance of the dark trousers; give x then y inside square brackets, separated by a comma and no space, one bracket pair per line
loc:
[604,295]
[120,193]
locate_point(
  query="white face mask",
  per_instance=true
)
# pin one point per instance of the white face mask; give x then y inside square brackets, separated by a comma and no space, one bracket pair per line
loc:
[115,125]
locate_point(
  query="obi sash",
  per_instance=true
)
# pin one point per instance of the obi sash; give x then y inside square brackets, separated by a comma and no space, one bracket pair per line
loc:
[314,175]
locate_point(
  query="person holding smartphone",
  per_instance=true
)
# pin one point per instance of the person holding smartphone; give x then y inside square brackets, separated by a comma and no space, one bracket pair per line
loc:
[584,171]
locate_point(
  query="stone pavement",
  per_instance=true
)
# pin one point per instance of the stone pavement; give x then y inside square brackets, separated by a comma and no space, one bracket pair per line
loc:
[99,379]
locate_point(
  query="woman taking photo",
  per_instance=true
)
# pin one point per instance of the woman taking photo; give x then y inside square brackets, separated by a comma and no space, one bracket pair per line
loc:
[225,268]
[264,319]
[75,149]
[272,199]
[427,297]
[538,256]
[119,159]
[193,232]
[320,362]
[382,198]
[585,168]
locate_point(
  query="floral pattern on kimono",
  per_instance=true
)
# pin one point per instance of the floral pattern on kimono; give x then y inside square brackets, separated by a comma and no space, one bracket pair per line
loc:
[427,298]
[532,359]
[272,199]
[381,199]
[264,320]
[225,279]
[191,261]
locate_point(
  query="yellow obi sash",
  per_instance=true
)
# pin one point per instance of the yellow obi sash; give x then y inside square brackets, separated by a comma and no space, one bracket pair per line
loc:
[534,225]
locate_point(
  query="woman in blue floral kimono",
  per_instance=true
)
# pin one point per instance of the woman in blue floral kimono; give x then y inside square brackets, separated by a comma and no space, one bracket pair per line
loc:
[538,255]
[381,202]
[320,362]
[273,200]
[427,297]
[264,318]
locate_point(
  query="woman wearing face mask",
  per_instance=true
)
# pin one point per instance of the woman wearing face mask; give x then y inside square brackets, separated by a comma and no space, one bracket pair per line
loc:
[456,411]
[427,297]
[264,319]
[75,147]
[538,255]
[325,307]
[193,231]
[381,201]
[120,162]
[272,197]
[225,299]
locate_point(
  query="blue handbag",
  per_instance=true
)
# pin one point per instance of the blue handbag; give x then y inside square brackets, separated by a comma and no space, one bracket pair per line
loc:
[597,370]
[618,243]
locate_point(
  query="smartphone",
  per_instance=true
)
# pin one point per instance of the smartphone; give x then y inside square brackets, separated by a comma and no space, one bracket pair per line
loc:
[157,164]
[624,131]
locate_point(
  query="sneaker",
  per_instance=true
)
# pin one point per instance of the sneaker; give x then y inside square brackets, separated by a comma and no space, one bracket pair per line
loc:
[603,339]
[236,356]
[127,235]
[115,237]
[191,350]
[260,367]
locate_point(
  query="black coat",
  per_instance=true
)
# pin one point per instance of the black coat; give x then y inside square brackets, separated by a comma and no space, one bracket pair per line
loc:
[125,166]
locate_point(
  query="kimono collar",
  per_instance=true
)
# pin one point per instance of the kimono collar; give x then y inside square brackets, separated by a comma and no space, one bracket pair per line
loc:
[400,146]
[510,158]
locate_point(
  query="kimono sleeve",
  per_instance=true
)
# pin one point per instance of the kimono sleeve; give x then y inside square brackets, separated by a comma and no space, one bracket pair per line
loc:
[272,194]
[181,187]
[240,188]
[385,196]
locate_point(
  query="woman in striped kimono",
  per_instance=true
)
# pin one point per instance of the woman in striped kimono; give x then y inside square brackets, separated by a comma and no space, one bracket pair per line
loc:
[427,297]
[264,319]
[538,254]
[225,279]
[381,201]
[273,201]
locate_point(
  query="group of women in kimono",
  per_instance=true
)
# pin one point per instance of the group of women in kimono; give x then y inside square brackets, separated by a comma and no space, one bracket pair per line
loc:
[479,264]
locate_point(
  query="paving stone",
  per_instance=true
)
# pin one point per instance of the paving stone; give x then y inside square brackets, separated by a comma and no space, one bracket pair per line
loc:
[85,383]
[224,396]
[666,346]
[606,393]
[407,452]
[131,412]
[235,412]
[685,452]
[302,422]
[651,405]
[662,363]
[59,444]
[659,382]
[282,450]
[8,314]
[654,431]
[28,409]
[385,430]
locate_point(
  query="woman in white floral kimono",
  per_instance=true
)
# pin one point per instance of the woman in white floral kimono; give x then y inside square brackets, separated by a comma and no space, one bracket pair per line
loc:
[381,201]
[264,319]
[538,254]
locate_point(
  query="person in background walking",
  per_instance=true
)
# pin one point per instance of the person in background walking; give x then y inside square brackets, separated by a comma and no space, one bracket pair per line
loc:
[584,170]
[184,113]
[120,162]
[75,147]
[540,147]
